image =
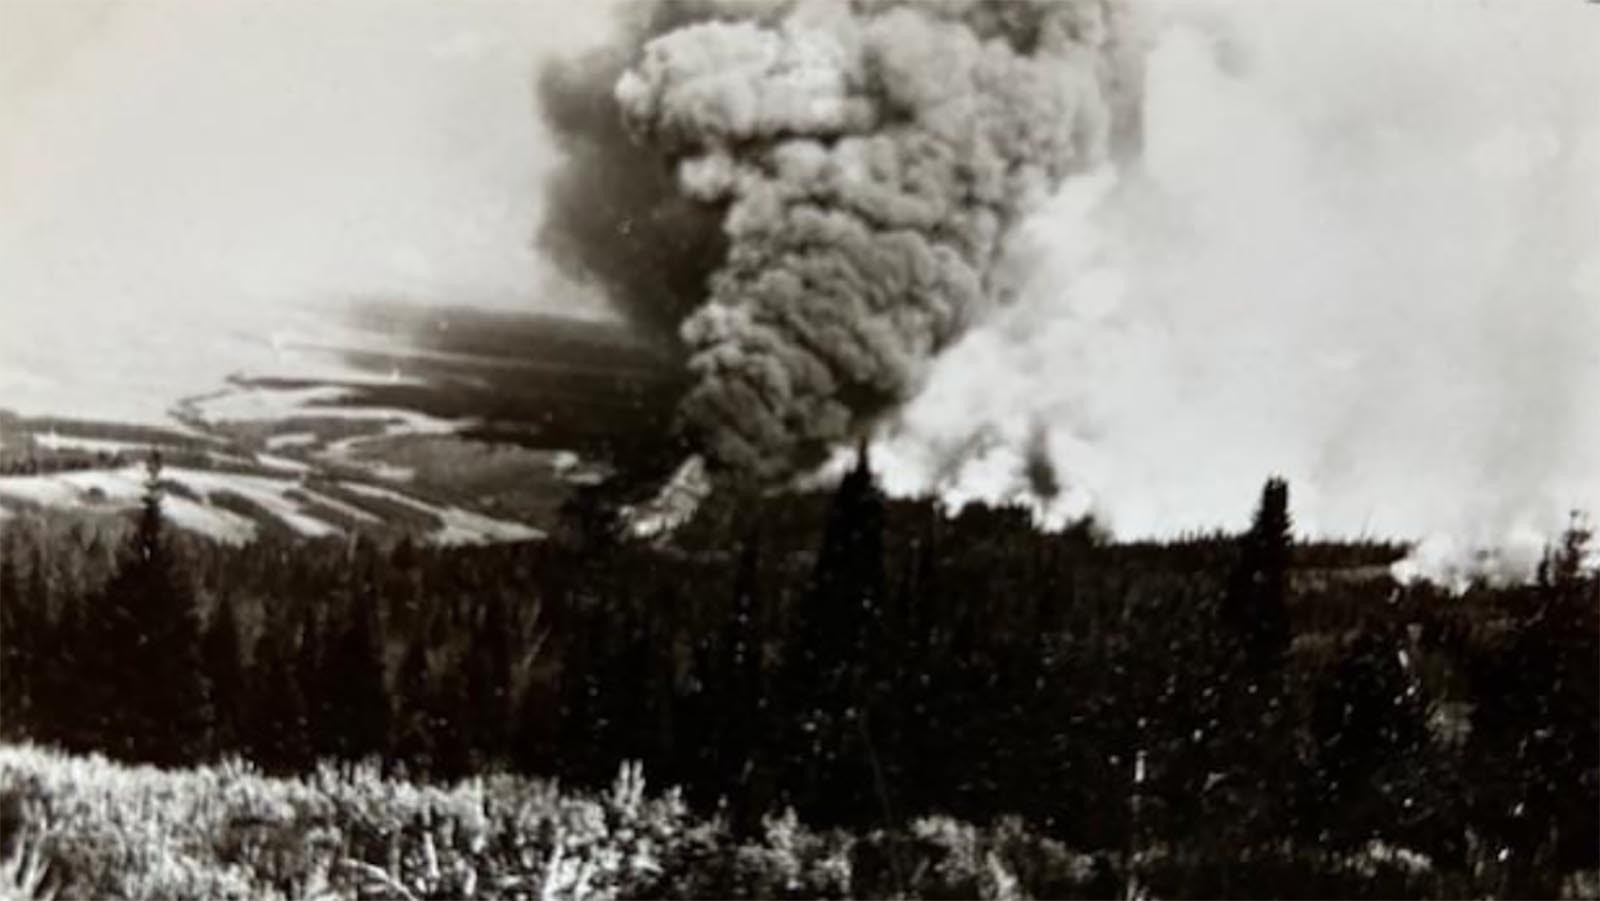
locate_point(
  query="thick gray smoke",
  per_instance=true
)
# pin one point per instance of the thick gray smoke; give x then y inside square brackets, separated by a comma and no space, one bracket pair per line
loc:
[614,214]
[825,189]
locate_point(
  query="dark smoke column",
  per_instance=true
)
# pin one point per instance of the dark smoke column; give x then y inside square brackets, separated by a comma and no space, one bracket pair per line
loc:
[865,163]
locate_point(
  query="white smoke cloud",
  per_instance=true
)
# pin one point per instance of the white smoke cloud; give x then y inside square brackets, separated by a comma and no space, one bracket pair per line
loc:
[1361,250]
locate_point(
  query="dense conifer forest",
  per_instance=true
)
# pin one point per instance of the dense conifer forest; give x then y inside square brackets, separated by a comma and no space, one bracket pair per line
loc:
[1221,710]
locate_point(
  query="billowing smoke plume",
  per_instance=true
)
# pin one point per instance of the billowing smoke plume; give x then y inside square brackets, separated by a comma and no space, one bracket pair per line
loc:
[1357,247]
[613,212]
[1360,248]
[863,165]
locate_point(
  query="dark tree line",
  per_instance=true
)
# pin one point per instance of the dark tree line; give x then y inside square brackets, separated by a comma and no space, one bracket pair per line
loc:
[1227,699]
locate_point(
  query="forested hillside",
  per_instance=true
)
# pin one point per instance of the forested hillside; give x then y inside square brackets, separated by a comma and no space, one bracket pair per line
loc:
[1208,716]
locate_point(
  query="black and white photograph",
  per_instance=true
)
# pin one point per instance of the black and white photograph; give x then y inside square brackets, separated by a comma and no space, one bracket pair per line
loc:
[789,449]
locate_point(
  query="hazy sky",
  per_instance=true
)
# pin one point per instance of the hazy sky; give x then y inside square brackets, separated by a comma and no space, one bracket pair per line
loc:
[212,164]
[202,152]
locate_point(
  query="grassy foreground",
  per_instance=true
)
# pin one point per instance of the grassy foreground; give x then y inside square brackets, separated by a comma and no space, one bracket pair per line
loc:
[85,827]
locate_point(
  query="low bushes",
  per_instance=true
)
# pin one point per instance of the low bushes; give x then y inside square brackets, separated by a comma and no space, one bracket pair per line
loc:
[94,828]
[77,827]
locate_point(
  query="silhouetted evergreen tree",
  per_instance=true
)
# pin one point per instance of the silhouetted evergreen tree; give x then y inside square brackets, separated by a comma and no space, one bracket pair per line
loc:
[625,700]
[413,735]
[278,733]
[488,664]
[60,686]
[18,647]
[1254,746]
[584,710]
[1257,605]
[833,683]
[535,736]
[147,697]
[357,696]
[224,667]
[450,724]
[306,644]
[741,680]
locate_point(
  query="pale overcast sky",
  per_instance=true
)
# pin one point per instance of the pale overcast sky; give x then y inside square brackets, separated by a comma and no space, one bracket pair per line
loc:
[193,153]
[173,172]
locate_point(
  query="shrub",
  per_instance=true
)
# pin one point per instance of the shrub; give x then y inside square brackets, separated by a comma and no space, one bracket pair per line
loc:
[75,826]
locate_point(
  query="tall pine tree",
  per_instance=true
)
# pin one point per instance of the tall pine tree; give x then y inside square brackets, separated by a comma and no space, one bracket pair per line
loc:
[224,665]
[1257,604]
[277,735]
[835,666]
[1254,747]
[65,680]
[489,681]
[357,695]
[148,697]
[18,649]
[309,668]
[743,689]
[412,729]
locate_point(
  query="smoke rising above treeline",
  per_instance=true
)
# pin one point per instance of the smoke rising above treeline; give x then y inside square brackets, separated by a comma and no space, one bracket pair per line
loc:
[1360,247]
[816,195]
[1119,265]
